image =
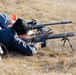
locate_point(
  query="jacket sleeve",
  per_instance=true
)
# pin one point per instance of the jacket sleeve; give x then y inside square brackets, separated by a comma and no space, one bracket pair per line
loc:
[23,47]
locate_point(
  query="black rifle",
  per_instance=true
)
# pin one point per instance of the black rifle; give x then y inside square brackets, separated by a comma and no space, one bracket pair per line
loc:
[33,24]
[43,38]
[43,34]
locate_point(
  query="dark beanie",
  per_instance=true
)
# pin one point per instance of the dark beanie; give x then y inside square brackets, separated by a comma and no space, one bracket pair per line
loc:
[21,27]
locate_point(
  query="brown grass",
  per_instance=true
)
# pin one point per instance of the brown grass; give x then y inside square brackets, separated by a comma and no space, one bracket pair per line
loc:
[54,59]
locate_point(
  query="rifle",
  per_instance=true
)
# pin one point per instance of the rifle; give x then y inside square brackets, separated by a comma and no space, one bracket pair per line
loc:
[41,27]
[33,24]
[43,34]
[44,38]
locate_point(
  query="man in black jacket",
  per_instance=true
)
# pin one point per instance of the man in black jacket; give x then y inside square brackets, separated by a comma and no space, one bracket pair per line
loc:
[12,38]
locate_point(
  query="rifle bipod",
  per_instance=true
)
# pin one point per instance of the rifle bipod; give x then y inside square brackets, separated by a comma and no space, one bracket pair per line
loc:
[64,39]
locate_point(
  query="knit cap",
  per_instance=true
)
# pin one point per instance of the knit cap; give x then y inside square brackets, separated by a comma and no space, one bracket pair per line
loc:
[21,26]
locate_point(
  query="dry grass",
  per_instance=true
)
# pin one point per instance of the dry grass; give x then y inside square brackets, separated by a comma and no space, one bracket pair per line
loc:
[54,59]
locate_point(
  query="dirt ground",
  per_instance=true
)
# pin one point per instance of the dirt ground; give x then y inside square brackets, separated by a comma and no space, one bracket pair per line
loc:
[54,59]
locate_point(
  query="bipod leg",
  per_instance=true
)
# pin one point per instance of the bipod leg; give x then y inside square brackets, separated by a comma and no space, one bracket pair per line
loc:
[70,44]
[65,38]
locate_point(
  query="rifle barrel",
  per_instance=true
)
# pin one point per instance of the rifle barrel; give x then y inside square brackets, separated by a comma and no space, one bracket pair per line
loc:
[52,36]
[38,26]
[55,23]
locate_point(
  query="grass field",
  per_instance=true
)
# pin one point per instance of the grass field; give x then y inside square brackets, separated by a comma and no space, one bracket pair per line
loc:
[54,59]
